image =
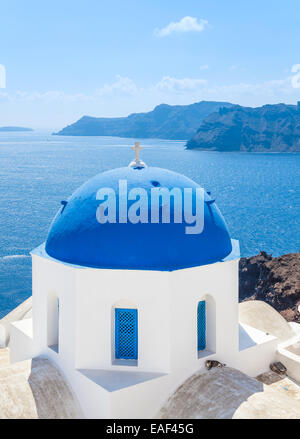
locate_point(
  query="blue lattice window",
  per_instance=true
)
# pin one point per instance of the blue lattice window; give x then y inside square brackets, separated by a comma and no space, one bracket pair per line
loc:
[201,325]
[126,334]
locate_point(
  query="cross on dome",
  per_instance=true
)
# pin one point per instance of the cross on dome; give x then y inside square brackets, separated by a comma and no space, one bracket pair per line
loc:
[137,162]
[137,148]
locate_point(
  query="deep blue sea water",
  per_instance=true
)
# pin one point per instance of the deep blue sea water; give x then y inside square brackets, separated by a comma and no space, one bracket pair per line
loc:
[258,194]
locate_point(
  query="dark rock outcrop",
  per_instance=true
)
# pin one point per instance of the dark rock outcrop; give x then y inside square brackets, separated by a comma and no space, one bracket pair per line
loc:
[179,122]
[276,281]
[271,128]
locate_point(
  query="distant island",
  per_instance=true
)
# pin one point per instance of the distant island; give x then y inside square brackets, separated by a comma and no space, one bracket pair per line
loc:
[215,126]
[174,122]
[270,128]
[11,129]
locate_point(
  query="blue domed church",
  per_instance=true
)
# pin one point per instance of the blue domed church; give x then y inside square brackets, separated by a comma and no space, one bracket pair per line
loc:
[135,287]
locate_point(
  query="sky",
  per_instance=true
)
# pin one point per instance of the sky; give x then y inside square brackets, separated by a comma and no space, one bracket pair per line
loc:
[61,59]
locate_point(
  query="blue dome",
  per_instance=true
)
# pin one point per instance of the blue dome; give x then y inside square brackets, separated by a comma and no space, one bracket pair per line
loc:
[76,236]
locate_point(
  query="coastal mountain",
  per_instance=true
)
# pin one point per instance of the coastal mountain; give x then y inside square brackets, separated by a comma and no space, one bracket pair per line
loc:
[271,128]
[174,122]
[12,129]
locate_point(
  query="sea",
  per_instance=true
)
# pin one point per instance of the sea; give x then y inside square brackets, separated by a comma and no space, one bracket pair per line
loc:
[257,193]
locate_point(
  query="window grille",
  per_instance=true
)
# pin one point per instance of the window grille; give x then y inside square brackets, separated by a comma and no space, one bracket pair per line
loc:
[201,326]
[126,334]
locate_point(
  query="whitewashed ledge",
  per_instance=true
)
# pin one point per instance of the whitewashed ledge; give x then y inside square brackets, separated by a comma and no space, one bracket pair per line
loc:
[22,311]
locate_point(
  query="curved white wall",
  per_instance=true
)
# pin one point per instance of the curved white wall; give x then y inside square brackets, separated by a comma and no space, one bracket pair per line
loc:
[167,328]
[98,293]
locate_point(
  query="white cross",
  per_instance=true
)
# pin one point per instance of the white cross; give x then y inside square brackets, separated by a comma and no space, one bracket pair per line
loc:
[137,148]
[137,163]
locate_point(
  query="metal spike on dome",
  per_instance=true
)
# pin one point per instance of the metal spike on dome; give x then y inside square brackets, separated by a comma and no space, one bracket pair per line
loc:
[137,163]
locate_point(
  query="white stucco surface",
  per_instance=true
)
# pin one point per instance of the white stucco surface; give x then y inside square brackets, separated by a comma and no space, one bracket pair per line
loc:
[167,331]
[21,340]
[262,316]
[73,308]
[269,321]
[22,311]
[289,354]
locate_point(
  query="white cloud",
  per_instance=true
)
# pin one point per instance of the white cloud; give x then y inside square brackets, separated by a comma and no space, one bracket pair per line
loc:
[295,68]
[122,96]
[204,67]
[167,83]
[168,89]
[252,94]
[186,24]
[122,84]
[295,80]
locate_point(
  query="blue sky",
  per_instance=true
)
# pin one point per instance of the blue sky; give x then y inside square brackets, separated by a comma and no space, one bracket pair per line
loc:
[64,59]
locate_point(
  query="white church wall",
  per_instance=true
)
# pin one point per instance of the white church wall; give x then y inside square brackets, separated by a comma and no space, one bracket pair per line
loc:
[219,283]
[53,320]
[167,324]
[257,359]
[145,399]
[53,281]
[98,292]
[141,401]
[93,399]
[167,312]
[167,329]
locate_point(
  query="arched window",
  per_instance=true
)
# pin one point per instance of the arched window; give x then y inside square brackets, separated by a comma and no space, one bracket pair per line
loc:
[126,334]
[201,325]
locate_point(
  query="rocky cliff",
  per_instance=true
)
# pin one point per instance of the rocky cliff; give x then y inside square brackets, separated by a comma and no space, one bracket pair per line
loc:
[273,280]
[271,128]
[179,122]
